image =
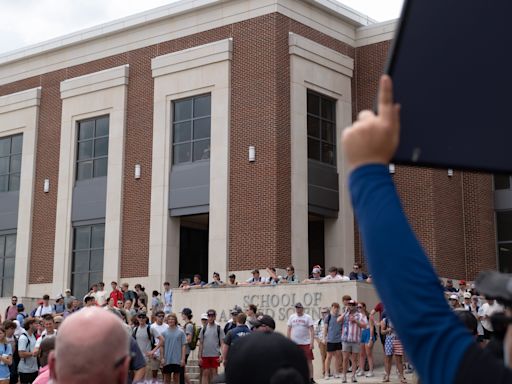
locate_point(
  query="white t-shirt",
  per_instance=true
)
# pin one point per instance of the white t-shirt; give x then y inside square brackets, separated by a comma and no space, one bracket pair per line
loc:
[42,310]
[336,278]
[160,329]
[488,310]
[43,336]
[101,297]
[300,333]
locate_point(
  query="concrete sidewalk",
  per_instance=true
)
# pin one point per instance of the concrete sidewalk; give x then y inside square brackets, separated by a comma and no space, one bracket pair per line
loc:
[379,374]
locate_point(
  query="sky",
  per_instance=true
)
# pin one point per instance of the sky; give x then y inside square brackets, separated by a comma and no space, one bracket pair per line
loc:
[27,22]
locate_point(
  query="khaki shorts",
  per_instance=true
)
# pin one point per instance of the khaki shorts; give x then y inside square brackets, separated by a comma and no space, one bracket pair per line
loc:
[351,347]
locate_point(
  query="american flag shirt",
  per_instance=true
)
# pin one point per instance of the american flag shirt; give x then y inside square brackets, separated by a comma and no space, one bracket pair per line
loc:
[351,332]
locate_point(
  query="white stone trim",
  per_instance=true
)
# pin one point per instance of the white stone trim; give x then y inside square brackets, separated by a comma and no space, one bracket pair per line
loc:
[78,103]
[312,72]
[19,113]
[94,82]
[376,33]
[170,22]
[320,54]
[212,76]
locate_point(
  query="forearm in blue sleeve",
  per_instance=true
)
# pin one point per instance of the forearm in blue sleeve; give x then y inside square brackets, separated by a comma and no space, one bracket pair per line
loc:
[434,339]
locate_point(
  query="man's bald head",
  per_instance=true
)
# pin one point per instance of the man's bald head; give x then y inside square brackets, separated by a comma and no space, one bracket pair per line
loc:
[92,346]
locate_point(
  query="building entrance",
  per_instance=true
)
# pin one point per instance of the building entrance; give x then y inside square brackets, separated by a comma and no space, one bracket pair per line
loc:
[194,247]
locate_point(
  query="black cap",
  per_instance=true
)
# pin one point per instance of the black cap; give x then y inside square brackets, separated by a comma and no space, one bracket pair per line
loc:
[186,311]
[268,357]
[264,320]
[495,285]
[299,305]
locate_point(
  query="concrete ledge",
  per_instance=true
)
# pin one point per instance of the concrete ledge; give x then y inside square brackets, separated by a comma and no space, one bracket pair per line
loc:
[93,82]
[20,100]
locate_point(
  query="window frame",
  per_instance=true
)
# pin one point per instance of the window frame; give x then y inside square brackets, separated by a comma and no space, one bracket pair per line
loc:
[193,118]
[3,257]
[9,174]
[89,250]
[322,120]
[94,159]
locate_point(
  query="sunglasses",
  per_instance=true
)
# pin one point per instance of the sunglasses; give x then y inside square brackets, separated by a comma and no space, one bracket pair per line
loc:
[160,315]
[211,315]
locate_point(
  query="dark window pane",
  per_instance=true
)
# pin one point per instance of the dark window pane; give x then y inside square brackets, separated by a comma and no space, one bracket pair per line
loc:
[181,153]
[2,246]
[313,126]
[182,132]
[4,183]
[5,146]
[98,236]
[328,132]
[100,167]
[328,153]
[202,106]
[95,277]
[504,221]
[505,257]
[81,261]
[86,130]
[7,287]
[313,149]
[182,110]
[80,284]
[328,109]
[84,170]
[10,246]
[501,181]
[101,147]
[202,128]
[102,126]
[313,104]
[16,163]
[85,150]
[9,267]
[4,165]
[14,182]
[201,150]
[96,260]
[82,238]
[17,144]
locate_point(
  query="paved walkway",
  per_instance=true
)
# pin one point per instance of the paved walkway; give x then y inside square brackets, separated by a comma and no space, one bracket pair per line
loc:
[379,374]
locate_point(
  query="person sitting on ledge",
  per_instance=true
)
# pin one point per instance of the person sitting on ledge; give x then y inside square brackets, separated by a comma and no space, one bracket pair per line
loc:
[197,283]
[290,277]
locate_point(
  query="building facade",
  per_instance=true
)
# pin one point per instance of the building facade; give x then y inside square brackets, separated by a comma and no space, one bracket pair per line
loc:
[201,137]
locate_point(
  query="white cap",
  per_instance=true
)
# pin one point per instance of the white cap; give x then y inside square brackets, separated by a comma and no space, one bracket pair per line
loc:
[454,297]
[204,316]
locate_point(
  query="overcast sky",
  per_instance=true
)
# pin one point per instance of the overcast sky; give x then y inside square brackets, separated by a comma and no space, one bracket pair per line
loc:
[27,22]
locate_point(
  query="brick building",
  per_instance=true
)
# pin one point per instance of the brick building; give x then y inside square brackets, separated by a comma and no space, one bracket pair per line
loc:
[201,137]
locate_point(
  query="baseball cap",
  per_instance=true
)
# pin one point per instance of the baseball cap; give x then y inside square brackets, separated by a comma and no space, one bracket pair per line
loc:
[462,282]
[269,357]
[236,310]
[20,306]
[232,276]
[186,311]
[264,320]
[454,297]
[467,295]
[299,305]
[204,316]
[255,271]
[67,290]
[353,302]
[316,270]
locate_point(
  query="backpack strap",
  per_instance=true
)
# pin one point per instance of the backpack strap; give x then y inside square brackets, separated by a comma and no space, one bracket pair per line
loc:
[134,333]
[218,333]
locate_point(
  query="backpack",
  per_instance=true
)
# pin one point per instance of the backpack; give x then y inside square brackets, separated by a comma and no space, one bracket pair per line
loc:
[150,336]
[195,335]
[203,330]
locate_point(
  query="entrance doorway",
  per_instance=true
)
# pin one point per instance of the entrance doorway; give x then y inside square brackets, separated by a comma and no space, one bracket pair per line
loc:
[194,247]
[316,242]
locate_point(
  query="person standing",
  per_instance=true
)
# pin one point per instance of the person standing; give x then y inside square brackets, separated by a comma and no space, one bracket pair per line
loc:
[211,339]
[301,332]
[352,323]
[167,298]
[233,335]
[141,292]
[160,327]
[145,337]
[172,350]
[101,295]
[320,339]
[116,294]
[332,335]
[27,368]
[12,310]
[5,357]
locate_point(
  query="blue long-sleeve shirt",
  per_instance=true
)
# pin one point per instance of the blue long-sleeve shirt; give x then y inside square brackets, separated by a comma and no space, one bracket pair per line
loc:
[435,340]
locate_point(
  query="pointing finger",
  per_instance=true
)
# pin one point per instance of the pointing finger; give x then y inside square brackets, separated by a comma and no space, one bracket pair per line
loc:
[365,114]
[385,98]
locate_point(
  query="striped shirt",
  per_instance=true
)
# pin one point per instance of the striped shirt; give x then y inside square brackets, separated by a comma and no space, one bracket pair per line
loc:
[351,332]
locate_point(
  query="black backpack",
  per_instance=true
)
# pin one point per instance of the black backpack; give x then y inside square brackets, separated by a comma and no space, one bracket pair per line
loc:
[150,336]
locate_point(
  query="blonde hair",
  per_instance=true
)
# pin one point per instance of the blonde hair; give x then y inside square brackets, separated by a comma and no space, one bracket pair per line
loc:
[4,339]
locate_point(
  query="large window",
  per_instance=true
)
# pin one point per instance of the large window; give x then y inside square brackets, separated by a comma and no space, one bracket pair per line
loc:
[7,258]
[87,257]
[92,148]
[501,181]
[10,162]
[191,129]
[504,224]
[321,128]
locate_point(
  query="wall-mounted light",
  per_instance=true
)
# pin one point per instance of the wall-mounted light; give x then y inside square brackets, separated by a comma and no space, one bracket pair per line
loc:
[252,153]
[46,186]
[137,171]
[450,172]
[391,168]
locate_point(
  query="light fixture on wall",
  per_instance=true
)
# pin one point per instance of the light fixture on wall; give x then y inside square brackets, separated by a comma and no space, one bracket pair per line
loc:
[450,172]
[252,153]
[391,168]
[137,171]
[46,186]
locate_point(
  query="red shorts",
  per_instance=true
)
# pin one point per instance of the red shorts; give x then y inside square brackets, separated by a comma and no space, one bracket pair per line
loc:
[307,351]
[210,362]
